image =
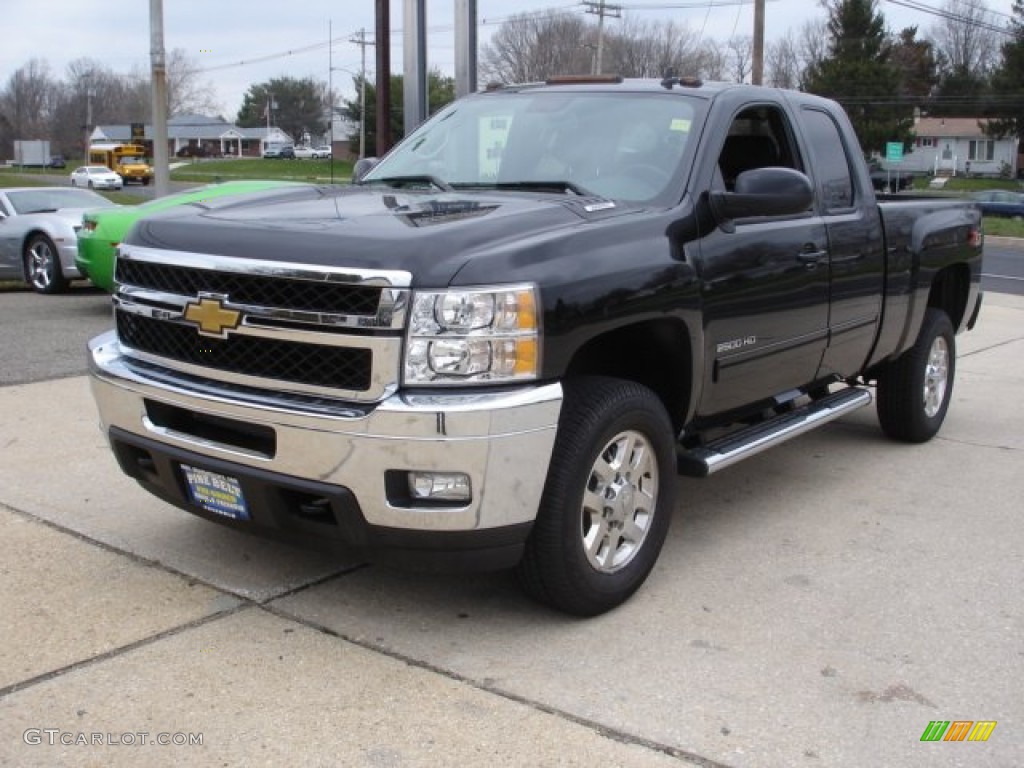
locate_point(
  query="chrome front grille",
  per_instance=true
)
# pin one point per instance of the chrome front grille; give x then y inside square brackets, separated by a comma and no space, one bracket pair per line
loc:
[305,329]
[315,364]
[266,291]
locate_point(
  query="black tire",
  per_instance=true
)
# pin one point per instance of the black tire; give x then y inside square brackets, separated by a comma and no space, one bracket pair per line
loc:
[581,560]
[90,185]
[42,265]
[914,390]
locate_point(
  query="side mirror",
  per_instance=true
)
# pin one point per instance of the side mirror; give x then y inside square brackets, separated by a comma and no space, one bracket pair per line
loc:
[363,167]
[764,192]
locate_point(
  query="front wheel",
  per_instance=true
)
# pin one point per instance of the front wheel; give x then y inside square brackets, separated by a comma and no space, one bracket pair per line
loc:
[914,389]
[42,265]
[608,499]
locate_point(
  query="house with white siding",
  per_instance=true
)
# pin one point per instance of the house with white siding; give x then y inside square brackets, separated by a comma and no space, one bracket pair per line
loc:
[958,146]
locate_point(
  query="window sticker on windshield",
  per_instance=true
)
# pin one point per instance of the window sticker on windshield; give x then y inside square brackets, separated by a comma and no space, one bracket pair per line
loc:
[680,124]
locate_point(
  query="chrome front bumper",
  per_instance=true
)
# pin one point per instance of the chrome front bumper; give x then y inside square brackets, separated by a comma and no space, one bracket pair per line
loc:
[502,440]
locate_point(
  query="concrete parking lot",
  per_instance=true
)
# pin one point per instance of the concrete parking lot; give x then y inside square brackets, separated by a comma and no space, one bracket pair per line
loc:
[818,605]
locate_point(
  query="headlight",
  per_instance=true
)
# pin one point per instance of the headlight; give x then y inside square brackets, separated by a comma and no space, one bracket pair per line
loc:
[472,335]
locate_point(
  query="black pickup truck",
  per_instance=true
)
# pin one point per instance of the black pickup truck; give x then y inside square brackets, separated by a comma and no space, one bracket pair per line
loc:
[498,347]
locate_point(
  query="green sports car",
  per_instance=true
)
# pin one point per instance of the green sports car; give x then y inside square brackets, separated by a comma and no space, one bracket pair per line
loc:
[103,230]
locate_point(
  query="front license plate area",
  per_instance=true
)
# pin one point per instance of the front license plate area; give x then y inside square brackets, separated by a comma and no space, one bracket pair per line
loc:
[216,493]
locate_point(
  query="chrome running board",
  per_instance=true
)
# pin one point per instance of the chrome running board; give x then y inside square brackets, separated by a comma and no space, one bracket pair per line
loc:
[748,441]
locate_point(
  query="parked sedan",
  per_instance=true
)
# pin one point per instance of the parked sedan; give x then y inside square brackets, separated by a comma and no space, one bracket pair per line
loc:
[39,234]
[96,177]
[1000,202]
[306,153]
[102,231]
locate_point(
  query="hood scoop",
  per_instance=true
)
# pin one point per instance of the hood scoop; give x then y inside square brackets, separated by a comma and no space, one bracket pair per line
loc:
[432,212]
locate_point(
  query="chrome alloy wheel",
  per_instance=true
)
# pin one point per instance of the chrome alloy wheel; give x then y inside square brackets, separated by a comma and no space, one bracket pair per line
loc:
[619,502]
[936,376]
[42,262]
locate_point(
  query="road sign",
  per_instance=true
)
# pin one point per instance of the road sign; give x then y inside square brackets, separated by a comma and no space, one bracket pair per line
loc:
[894,151]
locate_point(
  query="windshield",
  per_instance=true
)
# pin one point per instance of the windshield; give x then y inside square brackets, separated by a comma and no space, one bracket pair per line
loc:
[624,146]
[133,159]
[34,200]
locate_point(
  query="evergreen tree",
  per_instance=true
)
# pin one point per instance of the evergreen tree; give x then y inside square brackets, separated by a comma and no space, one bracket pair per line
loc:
[1008,81]
[914,60]
[440,91]
[960,93]
[295,106]
[859,73]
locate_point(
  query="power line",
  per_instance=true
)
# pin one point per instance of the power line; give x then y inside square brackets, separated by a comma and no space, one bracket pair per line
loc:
[914,5]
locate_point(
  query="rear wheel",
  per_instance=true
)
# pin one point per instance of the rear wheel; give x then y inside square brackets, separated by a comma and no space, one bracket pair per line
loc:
[914,389]
[607,501]
[42,266]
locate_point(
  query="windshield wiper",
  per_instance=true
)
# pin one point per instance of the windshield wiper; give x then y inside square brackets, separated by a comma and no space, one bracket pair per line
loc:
[545,185]
[402,181]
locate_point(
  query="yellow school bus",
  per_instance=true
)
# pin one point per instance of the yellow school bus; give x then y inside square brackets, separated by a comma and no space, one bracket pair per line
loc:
[129,160]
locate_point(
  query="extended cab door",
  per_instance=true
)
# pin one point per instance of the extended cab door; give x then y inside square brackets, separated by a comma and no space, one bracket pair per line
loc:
[764,281]
[855,242]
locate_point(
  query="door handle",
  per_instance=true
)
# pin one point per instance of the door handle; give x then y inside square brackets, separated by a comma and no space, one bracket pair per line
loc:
[810,257]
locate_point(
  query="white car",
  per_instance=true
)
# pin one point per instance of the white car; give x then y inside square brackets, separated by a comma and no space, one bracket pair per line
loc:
[324,152]
[96,177]
[306,153]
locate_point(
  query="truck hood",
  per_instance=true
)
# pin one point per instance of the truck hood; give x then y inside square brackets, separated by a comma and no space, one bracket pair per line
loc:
[430,234]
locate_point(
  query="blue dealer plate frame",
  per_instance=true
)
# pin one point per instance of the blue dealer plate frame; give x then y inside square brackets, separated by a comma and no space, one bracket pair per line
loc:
[216,493]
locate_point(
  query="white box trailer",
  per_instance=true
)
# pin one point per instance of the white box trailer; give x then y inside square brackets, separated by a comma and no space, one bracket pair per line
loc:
[31,152]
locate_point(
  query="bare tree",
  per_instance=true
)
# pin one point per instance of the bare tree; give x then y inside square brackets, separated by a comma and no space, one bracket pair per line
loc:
[651,49]
[965,39]
[782,63]
[531,47]
[91,94]
[812,46]
[714,61]
[27,100]
[741,53]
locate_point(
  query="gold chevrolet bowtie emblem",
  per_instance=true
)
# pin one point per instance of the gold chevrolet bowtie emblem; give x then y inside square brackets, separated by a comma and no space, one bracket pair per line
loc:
[211,316]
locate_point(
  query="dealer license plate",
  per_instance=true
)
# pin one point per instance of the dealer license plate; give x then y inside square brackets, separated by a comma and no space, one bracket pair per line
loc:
[216,493]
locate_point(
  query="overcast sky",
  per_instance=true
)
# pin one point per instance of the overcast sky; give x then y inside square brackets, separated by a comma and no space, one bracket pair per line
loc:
[250,41]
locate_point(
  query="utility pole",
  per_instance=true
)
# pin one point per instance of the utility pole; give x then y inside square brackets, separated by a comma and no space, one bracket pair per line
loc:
[362,42]
[161,169]
[602,9]
[88,114]
[757,72]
